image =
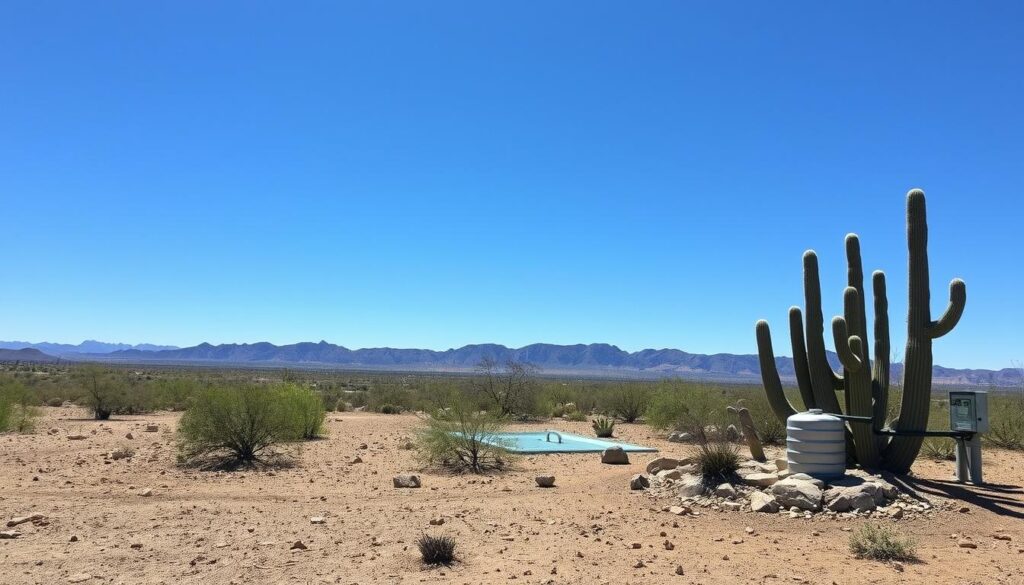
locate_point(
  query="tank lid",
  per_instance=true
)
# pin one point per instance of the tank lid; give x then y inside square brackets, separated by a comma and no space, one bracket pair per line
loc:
[816,411]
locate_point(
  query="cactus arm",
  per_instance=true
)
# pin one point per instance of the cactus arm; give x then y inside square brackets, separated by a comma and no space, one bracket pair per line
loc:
[949,319]
[855,278]
[880,371]
[803,375]
[823,380]
[770,374]
[845,344]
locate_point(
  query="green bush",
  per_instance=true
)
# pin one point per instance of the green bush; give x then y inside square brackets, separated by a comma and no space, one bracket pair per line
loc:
[463,441]
[234,425]
[881,544]
[1006,421]
[389,409]
[304,409]
[436,550]
[687,407]
[342,406]
[629,402]
[716,462]
[103,392]
[939,448]
[18,410]
[575,416]
[603,427]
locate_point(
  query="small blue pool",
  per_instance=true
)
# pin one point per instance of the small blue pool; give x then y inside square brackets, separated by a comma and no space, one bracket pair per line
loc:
[558,442]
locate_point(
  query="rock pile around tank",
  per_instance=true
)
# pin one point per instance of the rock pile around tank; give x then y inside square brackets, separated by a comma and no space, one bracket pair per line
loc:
[769,488]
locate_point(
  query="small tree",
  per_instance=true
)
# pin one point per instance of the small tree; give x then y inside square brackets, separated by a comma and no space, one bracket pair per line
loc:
[511,389]
[463,441]
[103,392]
[629,402]
[304,411]
[18,409]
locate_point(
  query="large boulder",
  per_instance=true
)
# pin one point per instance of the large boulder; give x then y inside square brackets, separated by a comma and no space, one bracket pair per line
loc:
[800,493]
[614,456]
[858,497]
[661,464]
[762,502]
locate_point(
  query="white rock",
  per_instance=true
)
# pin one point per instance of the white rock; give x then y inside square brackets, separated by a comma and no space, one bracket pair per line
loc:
[725,490]
[690,486]
[662,463]
[762,502]
[797,493]
[760,479]
[406,481]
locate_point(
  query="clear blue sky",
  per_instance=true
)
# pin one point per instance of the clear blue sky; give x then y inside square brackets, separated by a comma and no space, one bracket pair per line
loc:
[432,174]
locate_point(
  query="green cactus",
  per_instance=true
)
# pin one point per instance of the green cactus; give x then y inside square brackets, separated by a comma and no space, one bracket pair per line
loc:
[866,384]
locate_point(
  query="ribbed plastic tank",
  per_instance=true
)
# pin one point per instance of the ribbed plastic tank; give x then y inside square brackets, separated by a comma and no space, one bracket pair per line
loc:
[816,444]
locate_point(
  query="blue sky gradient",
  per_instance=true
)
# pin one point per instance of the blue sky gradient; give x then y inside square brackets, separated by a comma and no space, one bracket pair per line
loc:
[434,174]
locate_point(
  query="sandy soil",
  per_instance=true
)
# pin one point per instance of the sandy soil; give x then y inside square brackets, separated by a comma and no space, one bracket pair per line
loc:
[212,528]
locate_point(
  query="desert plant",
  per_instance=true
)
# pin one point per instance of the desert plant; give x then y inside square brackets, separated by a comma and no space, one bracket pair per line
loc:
[881,544]
[603,427]
[939,449]
[304,410]
[716,461]
[436,550]
[866,384]
[389,409]
[575,416]
[1006,422]
[103,392]
[342,406]
[511,389]
[18,410]
[629,402]
[233,425]
[463,441]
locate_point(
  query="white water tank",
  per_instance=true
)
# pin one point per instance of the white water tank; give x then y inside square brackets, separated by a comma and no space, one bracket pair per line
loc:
[816,444]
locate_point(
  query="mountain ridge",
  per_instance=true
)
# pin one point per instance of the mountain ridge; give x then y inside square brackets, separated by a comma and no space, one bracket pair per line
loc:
[593,359]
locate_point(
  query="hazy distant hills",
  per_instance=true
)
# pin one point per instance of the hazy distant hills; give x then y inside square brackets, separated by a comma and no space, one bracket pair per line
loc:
[26,354]
[87,346]
[596,359]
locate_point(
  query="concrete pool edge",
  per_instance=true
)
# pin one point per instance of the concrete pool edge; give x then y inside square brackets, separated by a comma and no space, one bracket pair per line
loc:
[588,444]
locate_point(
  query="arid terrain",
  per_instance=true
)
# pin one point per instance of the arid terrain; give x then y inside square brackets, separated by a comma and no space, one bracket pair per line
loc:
[144,520]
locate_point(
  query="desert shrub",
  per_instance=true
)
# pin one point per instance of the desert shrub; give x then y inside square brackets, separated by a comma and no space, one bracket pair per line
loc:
[463,441]
[389,409]
[511,389]
[304,411]
[103,392]
[234,425]
[575,416]
[436,550]
[716,461]
[55,401]
[1006,422]
[881,544]
[685,407]
[629,402]
[342,406]
[122,453]
[939,448]
[18,410]
[603,427]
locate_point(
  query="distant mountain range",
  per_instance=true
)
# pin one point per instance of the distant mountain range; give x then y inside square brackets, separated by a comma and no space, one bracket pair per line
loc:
[87,346]
[596,359]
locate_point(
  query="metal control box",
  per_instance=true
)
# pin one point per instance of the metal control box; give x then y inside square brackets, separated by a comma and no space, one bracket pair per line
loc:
[968,411]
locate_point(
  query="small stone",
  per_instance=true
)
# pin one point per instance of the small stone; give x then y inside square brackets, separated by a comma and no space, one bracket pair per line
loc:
[23,519]
[545,481]
[318,520]
[298,545]
[136,545]
[355,460]
[406,481]
[129,436]
[639,565]
[678,510]
[437,521]
[661,464]
[639,482]
[964,543]
[146,493]
[614,456]
[762,502]
[760,479]
[680,570]
[1006,537]
[725,490]
[690,486]
[74,538]
[76,437]
[668,545]
[152,428]
[637,545]
[79,578]
[9,534]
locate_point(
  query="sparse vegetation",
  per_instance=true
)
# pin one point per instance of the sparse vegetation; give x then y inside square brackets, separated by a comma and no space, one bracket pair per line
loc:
[389,409]
[629,402]
[463,441]
[716,461]
[436,550]
[881,544]
[102,391]
[939,449]
[1006,419]
[304,410]
[234,425]
[603,427]
[17,408]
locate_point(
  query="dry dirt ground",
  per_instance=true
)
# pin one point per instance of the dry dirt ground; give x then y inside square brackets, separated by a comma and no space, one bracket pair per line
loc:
[213,528]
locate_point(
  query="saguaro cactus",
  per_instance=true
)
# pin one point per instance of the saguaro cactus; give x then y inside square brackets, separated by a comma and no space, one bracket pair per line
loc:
[866,385]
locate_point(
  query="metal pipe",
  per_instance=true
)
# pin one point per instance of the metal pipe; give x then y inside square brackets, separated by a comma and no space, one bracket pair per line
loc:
[555,433]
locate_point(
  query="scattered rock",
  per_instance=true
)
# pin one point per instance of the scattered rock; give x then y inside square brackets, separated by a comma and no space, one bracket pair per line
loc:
[670,474]
[680,570]
[760,479]
[318,520]
[793,492]
[690,486]
[964,543]
[79,578]
[678,510]
[781,465]
[298,545]
[76,437]
[545,481]
[614,456]
[437,521]
[1006,537]
[661,464]
[406,481]
[152,428]
[23,519]
[639,482]
[9,534]
[677,437]
[146,493]
[761,502]
[725,490]
[129,436]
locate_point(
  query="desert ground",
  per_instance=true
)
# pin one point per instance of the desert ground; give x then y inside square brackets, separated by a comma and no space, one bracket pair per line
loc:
[144,520]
